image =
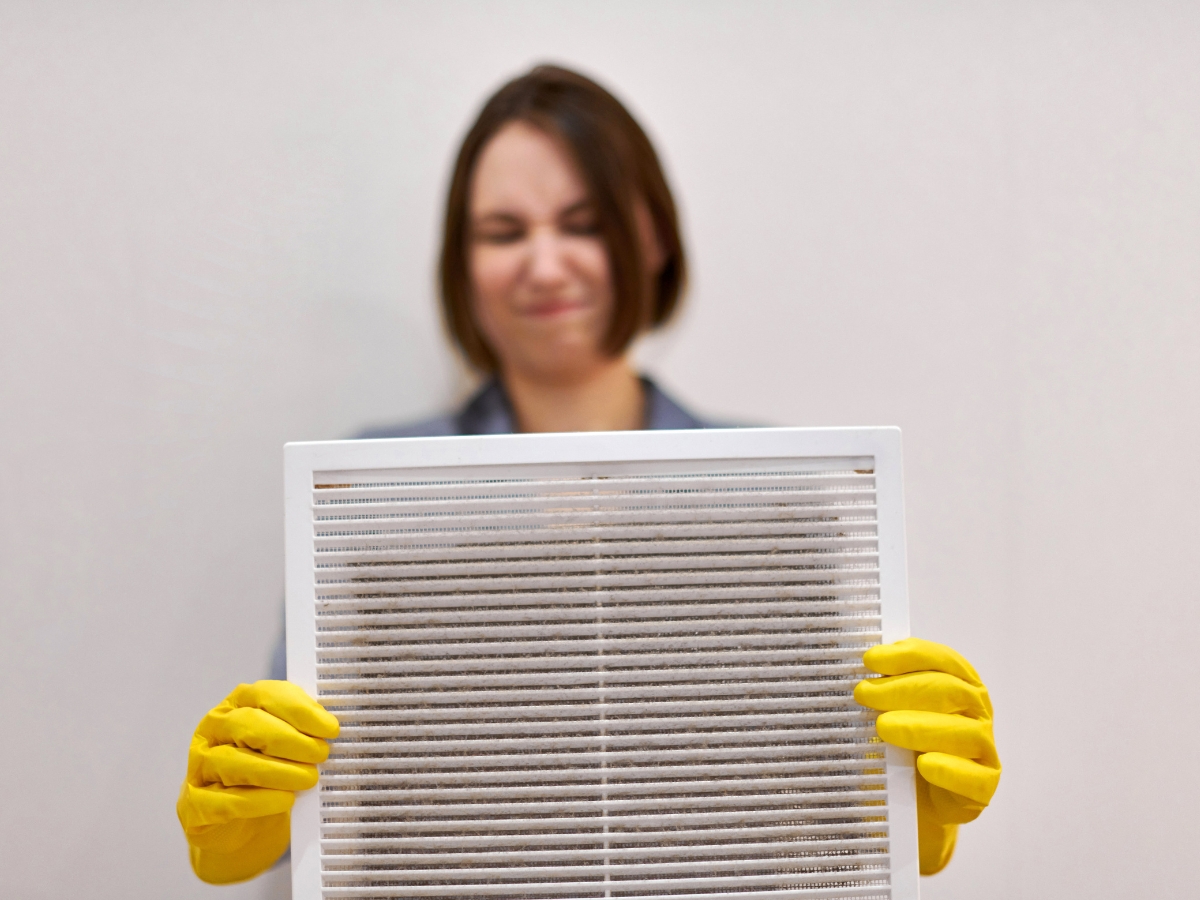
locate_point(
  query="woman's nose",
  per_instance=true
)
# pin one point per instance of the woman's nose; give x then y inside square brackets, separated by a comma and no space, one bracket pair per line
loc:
[547,263]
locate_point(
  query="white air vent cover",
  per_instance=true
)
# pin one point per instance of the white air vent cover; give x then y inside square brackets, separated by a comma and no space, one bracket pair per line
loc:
[605,665]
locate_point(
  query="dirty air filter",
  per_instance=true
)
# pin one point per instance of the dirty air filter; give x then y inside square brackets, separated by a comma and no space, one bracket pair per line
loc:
[600,665]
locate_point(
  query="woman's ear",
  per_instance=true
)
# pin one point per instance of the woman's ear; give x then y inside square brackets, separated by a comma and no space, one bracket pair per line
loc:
[648,239]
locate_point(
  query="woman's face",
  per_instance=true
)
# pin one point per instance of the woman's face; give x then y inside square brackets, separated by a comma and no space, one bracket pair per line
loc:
[542,289]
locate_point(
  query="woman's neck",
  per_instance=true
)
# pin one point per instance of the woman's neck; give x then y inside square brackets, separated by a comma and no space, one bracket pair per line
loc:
[610,398]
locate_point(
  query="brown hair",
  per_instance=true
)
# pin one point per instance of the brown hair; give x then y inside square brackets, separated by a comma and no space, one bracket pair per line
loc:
[619,167]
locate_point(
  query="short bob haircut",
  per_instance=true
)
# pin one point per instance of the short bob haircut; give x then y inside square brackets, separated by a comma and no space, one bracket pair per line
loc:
[619,167]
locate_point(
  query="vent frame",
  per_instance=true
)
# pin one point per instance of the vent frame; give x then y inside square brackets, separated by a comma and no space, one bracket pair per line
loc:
[446,460]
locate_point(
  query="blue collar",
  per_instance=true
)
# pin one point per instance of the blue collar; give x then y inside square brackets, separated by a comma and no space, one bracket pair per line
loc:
[489,412]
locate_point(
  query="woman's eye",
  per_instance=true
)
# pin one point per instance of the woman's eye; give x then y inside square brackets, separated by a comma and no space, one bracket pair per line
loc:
[499,235]
[585,227]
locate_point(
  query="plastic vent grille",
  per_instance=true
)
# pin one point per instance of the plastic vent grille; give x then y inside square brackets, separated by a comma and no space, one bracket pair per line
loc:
[619,684]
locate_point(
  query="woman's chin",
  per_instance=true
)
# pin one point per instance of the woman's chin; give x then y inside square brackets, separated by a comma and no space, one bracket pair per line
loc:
[564,366]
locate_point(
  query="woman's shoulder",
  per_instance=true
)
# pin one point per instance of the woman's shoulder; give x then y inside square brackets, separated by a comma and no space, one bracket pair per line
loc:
[486,412]
[439,426]
[663,413]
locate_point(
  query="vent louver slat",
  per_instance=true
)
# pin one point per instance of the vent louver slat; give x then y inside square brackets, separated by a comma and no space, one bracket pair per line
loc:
[614,684]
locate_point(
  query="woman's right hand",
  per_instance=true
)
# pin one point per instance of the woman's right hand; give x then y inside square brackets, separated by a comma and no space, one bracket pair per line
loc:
[247,759]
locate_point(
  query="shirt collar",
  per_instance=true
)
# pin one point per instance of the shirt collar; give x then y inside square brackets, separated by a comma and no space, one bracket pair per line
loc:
[489,411]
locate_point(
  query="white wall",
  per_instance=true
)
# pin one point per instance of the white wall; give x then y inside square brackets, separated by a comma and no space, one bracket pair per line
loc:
[979,222]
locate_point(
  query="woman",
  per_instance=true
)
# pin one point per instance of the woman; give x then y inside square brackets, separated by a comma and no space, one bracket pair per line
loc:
[561,246]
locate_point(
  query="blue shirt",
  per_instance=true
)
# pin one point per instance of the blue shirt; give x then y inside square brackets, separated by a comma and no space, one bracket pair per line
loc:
[489,412]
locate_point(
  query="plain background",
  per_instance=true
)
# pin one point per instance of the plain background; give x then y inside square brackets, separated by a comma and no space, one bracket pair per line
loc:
[980,222]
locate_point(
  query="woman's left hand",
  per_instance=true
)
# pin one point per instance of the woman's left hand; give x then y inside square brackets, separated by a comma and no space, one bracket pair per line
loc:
[932,701]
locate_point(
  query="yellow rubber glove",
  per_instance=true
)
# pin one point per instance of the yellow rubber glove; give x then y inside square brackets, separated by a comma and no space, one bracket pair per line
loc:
[933,702]
[247,759]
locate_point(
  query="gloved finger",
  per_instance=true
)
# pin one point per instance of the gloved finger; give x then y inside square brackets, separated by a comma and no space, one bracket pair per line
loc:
[936,834]
[289,702]
[930,691]
[260,730]
[240,850]
[936,732]
[215,804]
[960,776]
[233,836]
[917,655]
[950,808]
[235,766]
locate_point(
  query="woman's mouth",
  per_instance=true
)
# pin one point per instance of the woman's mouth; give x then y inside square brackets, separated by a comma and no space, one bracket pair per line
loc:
[548,309]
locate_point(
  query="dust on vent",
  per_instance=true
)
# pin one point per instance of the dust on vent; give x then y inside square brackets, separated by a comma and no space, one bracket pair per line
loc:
[597,671]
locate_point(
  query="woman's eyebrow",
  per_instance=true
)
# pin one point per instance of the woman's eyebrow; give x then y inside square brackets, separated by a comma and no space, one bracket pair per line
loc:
[584,205]
[497,216]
